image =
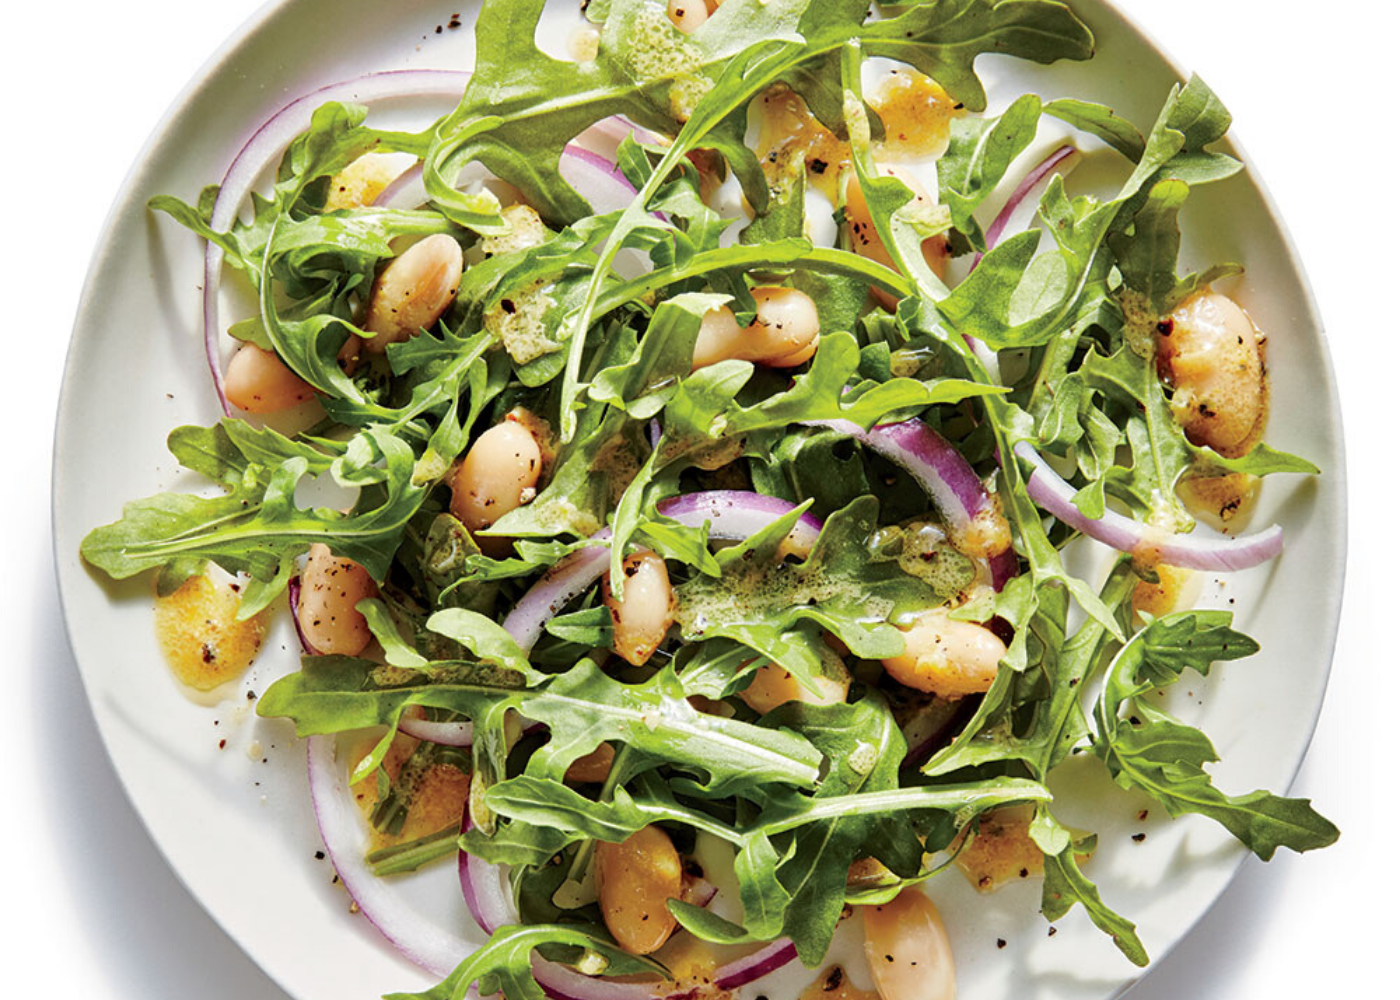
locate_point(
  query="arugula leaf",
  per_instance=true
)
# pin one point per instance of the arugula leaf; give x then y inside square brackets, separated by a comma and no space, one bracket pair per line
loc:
[503,964]
[979,152]
[1066,885]
[757,598]
[257,528]
[397,652]
[1102,121]
[583,708]
[1158,754]
[485,638]
[864,747]
[1017,299]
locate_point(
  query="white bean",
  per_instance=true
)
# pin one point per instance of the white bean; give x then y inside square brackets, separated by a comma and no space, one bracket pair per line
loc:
[907,949]
[1210,348]
[258,381]
[947,657]
[646,609]
[331,586]
[413,291]
[498,474]
[593,767]
[782,335]
[634,880]
[773,686]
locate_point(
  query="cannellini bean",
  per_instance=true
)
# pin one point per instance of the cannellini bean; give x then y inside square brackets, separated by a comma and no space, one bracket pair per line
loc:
[688,15]
[592,767]
[946,657]
[646,609]
[634,879]
[331,586]
[413,291]
[782,335]
[773,686]
[1210,349]
[498,474]
[258,381]
[908,950]
[865,240]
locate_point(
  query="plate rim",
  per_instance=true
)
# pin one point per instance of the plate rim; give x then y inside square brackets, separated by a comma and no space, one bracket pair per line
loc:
[127,192]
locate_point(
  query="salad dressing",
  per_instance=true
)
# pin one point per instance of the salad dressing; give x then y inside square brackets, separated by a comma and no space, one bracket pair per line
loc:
[364,179]
[200,636]
[692,963]
[583,43]
[915,110]
[834,984]
[1175,588]
[1000,850]
[917,114]
[1219,500]
[437,802]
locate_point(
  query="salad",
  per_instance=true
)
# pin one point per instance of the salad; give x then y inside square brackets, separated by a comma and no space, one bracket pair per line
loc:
[712,413]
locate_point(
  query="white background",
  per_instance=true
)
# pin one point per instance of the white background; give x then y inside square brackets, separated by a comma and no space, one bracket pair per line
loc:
[96,914]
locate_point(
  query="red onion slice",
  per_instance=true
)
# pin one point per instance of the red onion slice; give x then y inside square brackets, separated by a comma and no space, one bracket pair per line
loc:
[447,734]
[406,191]
[599,180]
[1205,552]
[269,140]
[743,971]
[602,184]
[294,599]
[1017,215]
[483,887]
[734,515]
[1004,565]
[560,982]
[417,938]
[1028,194]
[941,470]
[604,136]
[702,893]
[488,900]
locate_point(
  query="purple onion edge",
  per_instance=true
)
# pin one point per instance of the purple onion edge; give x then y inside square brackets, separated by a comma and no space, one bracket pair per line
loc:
[213,255]
[746,974]
[926,446]
[709,499]
[604,165]
[1019,193]
[293,601]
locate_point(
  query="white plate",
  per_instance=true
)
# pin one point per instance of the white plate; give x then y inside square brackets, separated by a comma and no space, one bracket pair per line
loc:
[239,832]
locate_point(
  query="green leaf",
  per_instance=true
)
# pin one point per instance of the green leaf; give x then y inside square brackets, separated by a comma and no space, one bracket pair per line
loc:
[1066,885]
[503,962]
[397,652]
[257,528]
[582,708]
[757,597]
[485,638]
[1163,757]
[979,152]
[1101,121]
